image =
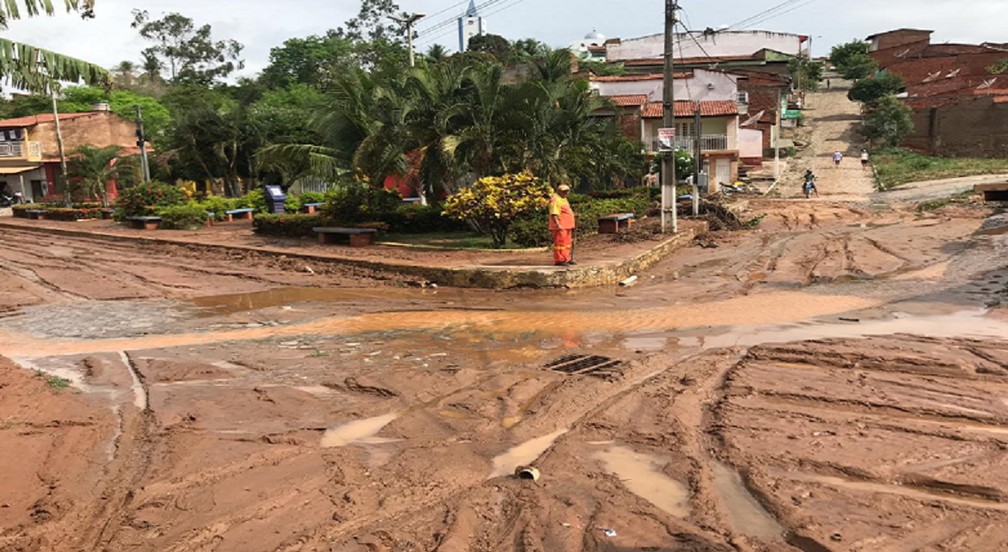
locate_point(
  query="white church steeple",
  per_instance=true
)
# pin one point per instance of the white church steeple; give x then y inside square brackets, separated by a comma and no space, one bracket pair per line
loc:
[469,25]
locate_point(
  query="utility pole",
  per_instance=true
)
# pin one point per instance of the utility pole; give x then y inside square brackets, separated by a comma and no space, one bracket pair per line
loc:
[697,158]
[59,144]
[409,20]
[142,144]
[668,103]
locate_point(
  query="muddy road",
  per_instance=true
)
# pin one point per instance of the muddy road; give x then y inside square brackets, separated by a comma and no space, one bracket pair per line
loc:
[834,380]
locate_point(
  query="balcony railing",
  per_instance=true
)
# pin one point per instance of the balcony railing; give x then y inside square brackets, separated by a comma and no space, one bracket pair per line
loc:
[708,142]
[21,150]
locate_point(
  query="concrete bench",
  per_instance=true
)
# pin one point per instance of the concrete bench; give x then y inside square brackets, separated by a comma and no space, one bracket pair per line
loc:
[239,214]
[357,237]
[616,223]
[310,208]
[144,223]
[35,214]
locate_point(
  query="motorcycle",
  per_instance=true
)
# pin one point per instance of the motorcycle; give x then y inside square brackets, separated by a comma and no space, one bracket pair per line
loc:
[9,200]
[810,188]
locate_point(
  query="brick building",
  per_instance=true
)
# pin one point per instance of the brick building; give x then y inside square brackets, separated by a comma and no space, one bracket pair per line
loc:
[29,153]
[959,106]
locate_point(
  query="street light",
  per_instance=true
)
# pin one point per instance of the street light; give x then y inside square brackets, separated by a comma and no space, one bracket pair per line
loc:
[409,20]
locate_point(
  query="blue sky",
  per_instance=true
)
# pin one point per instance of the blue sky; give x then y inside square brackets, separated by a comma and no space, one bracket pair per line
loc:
[262,24]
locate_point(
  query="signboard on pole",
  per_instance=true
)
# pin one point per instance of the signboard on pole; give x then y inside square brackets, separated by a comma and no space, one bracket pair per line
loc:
[666,136]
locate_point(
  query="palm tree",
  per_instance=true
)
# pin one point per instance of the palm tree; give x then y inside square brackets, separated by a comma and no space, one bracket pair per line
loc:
[95,167]
[437,53]
[36,69]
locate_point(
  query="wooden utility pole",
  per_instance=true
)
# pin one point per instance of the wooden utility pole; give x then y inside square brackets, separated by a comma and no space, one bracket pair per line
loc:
[668,103]
[59,145]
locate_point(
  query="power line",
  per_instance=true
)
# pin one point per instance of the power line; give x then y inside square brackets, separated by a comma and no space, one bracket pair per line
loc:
[431,39]
[446,22]
[780,13]
[766,11]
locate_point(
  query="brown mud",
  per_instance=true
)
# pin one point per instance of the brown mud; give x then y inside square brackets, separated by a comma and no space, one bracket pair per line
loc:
[836,380]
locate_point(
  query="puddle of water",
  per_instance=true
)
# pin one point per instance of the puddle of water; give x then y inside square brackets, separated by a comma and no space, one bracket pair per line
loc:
[745,513]
[241,302]
[139,395]
[967,324]
[769,308]
[641,475]
[357,431]
[645,343]
[523,454]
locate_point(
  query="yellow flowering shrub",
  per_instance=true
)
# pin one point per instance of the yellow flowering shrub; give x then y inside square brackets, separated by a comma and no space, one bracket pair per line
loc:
[493,202]
[188,188]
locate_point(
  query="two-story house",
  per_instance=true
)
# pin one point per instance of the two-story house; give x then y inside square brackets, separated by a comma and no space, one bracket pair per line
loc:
[29,153]
[715,94]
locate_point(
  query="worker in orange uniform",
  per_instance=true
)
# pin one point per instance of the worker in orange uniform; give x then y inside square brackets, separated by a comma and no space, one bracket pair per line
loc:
[561,223]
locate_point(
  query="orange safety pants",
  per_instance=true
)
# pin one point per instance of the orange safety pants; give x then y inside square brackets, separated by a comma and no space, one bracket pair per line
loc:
[563,245]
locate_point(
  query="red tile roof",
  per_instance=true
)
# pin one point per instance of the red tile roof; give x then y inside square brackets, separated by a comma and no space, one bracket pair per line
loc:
[629,100]
[716,108]
[32,120]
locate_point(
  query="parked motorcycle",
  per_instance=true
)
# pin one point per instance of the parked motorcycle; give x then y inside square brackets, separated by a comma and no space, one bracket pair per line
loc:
[8,200]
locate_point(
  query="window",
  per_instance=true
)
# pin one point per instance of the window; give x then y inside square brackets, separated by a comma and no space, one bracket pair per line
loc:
[686,130]
[743,97]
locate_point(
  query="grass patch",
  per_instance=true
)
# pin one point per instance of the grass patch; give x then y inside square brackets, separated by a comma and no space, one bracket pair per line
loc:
[454,240]
[896,166]
[55,383]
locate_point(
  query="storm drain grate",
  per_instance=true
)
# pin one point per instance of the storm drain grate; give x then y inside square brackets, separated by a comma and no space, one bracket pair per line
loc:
[584,364]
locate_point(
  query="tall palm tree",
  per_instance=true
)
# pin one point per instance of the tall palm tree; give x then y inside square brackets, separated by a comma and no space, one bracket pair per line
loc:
[37,69]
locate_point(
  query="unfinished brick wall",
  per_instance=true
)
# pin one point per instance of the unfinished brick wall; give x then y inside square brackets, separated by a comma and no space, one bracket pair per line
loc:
[99,129]
[894,39]
[970,127]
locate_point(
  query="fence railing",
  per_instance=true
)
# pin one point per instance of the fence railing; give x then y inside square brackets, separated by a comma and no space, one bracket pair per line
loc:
[708,142]
[28,150]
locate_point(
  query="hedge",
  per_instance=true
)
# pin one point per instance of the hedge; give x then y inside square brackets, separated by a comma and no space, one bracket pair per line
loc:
[191,216]
[72,213]
[287,225]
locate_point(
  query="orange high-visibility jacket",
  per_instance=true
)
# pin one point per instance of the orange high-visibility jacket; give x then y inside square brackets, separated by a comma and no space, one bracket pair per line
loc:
[560,207]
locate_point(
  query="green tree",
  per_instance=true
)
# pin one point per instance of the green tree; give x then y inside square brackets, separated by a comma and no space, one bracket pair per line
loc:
[870,90]
[806,73]
[436,53]
[13,9]
[36,69]
[492,44]
[841,54]
[313,60]
[888,121]
[189,54]
[95,167]
[852,60]
[80,99]
[601,68]
[212,137]
[374,23]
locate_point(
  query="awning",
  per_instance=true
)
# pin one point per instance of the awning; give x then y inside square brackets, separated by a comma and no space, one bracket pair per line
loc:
[18,170]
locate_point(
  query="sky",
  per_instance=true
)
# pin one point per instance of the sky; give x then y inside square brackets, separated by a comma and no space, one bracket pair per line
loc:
[263,24]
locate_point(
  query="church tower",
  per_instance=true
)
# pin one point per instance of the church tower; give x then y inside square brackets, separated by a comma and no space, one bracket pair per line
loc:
[470,25]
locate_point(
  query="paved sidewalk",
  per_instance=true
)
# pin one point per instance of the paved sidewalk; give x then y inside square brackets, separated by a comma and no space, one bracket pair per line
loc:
[599,262]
